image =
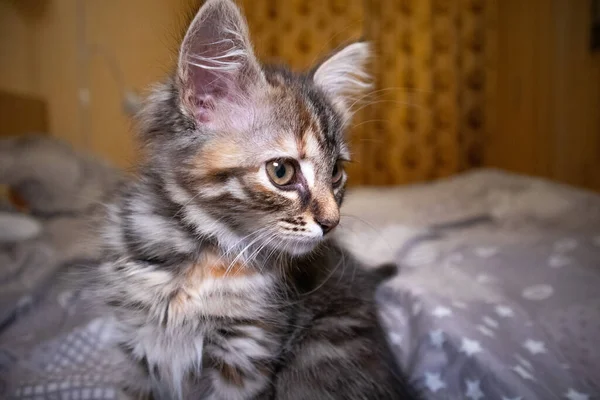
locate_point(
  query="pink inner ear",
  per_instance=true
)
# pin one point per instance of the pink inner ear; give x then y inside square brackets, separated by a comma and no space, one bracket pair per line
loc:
[216,63]
[201,108]
[205,87]
[212,72]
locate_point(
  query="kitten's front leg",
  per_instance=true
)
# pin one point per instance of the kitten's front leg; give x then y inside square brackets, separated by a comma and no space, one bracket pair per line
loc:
[241,360]
[230,382]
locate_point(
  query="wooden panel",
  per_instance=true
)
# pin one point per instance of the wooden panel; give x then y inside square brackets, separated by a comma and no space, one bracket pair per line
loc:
[522,87]
[431,68]
[21,114]
[19,63]
[548,92]
[576,106]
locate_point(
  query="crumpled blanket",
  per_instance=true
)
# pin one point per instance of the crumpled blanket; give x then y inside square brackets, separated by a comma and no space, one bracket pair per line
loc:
[63,191]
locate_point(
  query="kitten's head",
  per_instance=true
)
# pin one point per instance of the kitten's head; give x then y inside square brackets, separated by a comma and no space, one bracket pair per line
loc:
[254,154]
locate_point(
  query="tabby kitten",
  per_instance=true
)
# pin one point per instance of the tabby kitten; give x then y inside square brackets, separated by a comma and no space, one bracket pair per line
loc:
[218,277]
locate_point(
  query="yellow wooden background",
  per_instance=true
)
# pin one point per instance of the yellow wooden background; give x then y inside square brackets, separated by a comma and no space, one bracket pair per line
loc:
[427,116]
[460,83]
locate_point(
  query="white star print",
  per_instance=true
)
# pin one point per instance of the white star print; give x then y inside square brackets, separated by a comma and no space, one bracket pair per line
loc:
[523,373]
[434,382]
[573,394]
[535,346]
[523,361]
[437,338]
[485,330]
[441,312]
[470,347]
[504,311]
[558,261]
[473,390]
[538,292]
[492,323]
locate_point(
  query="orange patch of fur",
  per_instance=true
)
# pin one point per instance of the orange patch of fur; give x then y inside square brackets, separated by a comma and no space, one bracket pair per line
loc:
[222,154]
[213,265]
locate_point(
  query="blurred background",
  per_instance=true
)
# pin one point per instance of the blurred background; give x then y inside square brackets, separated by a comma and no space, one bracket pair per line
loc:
[513,84]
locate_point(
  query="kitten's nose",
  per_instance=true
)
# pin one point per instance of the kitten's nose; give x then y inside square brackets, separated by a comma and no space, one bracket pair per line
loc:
[327,224]
[325,212]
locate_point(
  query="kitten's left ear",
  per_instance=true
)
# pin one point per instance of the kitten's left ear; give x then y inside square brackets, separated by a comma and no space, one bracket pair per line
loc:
[217,67]
[344,76]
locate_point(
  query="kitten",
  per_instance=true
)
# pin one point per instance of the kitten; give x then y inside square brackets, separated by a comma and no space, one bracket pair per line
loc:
[218,277]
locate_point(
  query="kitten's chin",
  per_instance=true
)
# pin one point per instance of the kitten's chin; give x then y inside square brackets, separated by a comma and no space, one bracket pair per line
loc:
[299,247]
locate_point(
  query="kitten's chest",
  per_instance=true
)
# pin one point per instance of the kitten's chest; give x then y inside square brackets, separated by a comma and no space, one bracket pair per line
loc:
[215,316]
[214,290]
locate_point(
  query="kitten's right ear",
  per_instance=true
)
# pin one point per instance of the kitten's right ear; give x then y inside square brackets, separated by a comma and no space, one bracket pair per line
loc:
[344,76]
[217,66]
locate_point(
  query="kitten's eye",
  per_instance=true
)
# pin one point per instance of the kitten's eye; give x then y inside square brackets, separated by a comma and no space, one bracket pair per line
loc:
[337,173]
[281,172]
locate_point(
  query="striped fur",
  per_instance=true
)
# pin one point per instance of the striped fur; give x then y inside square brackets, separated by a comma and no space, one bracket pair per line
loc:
[220,282]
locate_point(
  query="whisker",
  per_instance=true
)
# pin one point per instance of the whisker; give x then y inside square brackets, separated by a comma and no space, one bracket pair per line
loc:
[241,253]
[398,102]
[373,93]
[252,257]
[234,246]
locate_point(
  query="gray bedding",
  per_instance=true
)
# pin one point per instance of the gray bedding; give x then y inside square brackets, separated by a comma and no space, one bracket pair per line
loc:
[497,296]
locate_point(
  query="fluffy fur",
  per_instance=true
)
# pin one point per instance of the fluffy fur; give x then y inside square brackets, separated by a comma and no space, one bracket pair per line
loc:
[220,281]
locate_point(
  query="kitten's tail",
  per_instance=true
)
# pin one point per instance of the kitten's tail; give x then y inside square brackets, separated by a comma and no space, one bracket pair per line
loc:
[384,272]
